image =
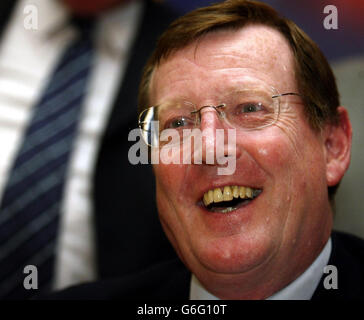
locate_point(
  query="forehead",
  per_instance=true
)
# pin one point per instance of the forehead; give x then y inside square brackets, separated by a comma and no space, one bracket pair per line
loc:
[226,58]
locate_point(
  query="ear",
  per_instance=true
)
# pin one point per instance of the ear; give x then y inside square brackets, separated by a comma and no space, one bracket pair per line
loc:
[338,148]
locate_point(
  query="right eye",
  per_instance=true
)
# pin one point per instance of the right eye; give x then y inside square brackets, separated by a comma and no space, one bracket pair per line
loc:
[177,123]
[250,107]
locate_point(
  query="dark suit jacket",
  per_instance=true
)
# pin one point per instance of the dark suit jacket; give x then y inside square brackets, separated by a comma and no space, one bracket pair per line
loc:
[128,233]
[170,280]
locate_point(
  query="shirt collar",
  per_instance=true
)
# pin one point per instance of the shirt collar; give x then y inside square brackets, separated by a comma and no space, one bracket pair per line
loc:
[115,27]
[302,288]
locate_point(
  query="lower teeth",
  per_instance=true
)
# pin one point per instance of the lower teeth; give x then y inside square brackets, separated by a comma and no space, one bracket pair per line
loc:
[226,209]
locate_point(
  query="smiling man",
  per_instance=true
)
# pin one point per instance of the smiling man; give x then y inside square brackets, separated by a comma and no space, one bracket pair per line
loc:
[265,231]
[243,55]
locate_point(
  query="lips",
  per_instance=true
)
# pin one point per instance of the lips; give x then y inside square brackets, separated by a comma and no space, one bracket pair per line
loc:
[229,198]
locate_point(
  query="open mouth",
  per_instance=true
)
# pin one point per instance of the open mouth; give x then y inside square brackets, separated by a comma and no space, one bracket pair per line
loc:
[229,198]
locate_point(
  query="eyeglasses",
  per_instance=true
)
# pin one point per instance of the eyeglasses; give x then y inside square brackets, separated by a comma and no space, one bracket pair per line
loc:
[251,108]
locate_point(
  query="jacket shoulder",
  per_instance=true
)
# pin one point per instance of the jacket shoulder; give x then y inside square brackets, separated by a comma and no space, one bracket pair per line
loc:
[164,281]
[352,244]
[347,256]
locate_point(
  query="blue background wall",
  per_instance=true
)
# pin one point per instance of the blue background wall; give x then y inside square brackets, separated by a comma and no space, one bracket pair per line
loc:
[347,40]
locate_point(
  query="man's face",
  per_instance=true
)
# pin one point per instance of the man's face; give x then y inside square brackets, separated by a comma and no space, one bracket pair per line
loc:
[283,229]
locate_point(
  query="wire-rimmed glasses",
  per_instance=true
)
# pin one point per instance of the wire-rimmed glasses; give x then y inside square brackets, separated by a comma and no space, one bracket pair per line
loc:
[251,108]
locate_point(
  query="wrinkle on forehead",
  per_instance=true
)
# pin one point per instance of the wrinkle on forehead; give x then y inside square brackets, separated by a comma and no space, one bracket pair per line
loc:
[258,42]
[255,49]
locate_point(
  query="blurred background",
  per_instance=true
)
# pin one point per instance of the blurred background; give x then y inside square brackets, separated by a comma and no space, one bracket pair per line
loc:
[344,48]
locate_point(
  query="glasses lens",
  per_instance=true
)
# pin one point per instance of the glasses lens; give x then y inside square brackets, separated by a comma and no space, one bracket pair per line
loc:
[156,121]
[148,126]
[251,109]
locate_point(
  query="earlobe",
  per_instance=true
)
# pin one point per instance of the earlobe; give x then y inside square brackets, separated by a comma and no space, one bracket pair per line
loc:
[338,148]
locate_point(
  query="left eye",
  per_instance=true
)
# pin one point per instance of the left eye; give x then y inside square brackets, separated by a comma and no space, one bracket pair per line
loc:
[250,107]
[179,123]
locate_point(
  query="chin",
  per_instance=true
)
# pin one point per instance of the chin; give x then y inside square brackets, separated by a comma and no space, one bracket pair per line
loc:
[235,254]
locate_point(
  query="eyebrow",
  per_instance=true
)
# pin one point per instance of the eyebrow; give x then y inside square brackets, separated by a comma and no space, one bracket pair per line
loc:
[231,88]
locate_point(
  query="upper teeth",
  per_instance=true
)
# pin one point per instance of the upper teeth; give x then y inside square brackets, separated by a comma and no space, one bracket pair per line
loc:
[227,194]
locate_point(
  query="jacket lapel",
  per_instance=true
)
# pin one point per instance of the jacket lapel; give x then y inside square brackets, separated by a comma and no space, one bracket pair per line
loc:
[6,8]
[124,111]
[127,230]
[349,270]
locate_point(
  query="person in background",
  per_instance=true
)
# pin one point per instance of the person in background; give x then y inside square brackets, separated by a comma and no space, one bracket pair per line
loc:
[71,204]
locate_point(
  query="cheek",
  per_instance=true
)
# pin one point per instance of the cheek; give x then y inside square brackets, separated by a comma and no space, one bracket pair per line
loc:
[173,195]
[172,205]
[166,191]
[273,152]
[163,175]
[291,160]
[170,181]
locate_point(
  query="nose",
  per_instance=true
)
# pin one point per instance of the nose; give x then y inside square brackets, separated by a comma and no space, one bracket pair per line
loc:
[216,138]
[209,118]
[209,124]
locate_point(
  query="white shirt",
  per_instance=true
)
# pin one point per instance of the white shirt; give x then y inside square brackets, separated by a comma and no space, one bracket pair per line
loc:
[302,288]
[27,58]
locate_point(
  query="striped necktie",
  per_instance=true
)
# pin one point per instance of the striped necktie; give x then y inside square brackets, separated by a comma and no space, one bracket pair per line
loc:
[30,206]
